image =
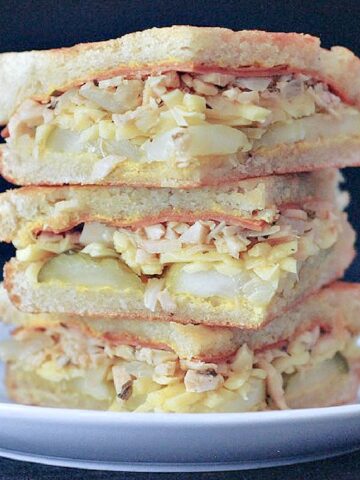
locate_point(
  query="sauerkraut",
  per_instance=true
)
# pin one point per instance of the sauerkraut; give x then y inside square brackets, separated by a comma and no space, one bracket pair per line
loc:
[204,259]
[144,379]
[178,117]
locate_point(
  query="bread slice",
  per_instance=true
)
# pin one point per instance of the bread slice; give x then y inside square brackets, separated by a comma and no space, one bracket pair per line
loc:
[174,130]
[311,364]
[338,300]
[55,295]
[249,53]
[187,341]
[249,203]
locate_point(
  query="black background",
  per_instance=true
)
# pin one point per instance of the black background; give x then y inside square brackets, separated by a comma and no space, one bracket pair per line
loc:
[49,24]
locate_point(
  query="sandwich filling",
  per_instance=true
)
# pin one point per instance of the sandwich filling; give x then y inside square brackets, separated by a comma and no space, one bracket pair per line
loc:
[168,263]
[310,369]
[176,119]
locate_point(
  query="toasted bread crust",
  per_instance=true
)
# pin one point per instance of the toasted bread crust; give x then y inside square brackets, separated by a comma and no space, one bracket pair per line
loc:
[38,73]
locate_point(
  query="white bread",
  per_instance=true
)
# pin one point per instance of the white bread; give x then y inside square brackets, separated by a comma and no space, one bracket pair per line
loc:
[39,73]
[32,209]
[339,300]
[318,270]
[303,156]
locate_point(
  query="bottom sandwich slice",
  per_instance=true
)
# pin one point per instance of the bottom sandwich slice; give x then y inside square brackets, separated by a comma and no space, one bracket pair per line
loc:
[306,358]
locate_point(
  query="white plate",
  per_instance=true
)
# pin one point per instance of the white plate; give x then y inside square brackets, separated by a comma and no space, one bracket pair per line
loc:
[175,442]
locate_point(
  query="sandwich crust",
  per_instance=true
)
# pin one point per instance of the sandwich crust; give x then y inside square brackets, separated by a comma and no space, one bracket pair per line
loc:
[194,49]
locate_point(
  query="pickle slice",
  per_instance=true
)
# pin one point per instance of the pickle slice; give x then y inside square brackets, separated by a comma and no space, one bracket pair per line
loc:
[314,386]
[84,271]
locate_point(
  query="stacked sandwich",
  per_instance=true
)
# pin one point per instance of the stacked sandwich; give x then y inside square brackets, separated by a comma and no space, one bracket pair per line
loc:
[180,222]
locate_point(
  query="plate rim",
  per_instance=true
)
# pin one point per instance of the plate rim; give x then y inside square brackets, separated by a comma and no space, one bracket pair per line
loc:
[149,467]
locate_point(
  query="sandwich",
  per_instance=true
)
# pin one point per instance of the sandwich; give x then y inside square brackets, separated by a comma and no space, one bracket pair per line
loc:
[181,225]
[178,107]
[306,358]
[235,256]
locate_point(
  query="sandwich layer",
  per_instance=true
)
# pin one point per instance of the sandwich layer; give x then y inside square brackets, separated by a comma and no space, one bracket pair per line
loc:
[255,241]
[58,365]
[40,73]
[194,283]
[251,203]
[29,388]
[339,300]
[180,130]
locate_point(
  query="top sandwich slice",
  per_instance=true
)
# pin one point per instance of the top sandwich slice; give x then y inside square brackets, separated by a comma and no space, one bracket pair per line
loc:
[179,107]
[235,256]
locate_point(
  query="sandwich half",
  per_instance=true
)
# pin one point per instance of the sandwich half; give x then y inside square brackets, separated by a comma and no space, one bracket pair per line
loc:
[179,107]
[227,257]
[306,358]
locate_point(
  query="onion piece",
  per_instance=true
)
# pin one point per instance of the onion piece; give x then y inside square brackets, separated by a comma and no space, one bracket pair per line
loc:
[219,79]
[196,233]
[97,232]
[154,232]
[152,290]
[127,96]
[102,168]
[208,283]
[161,246]
[254,83]
[196,140]
[64,140]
